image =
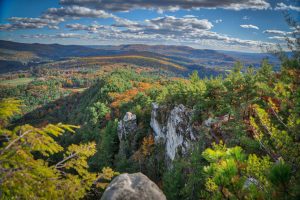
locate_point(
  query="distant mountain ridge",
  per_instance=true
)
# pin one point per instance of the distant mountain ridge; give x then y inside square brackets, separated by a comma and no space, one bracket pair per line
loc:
[15,56]
[209,57]
[167,50]
[53,51]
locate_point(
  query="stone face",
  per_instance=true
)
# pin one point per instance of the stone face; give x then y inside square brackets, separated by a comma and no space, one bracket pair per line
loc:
[132,187]
[216,121]
[128,135]
[175,129]
[127,126]
[250,181]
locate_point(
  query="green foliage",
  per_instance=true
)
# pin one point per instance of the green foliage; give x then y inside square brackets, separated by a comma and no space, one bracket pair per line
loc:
[97,112]
[232,175]
[173,182]
[36,93]
[108,146]
[280,174]
[265,72]
[187,92]
[26,175]
[8,108]
[255,112]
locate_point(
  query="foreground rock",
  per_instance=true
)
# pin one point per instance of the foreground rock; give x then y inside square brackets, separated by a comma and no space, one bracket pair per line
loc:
[132,187]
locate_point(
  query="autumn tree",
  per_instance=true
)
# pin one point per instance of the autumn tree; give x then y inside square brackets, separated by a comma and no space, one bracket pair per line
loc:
[26,169]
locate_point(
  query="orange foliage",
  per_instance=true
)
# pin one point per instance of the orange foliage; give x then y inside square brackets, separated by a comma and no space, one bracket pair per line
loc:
[123,97]
[128,95]
[145,149]
[273,102]
[107,116]
[69,82]
[147,146]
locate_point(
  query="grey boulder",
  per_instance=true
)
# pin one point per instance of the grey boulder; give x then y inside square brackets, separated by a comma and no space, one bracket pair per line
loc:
[135,186]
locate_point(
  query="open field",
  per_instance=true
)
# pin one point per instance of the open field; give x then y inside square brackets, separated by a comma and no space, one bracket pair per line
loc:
[15,82]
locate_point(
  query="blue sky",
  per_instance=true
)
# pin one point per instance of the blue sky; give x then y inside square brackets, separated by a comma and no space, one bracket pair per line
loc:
[243,25]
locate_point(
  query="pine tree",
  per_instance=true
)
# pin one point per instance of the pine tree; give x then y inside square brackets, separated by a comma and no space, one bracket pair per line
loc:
[108,146]
[231,175]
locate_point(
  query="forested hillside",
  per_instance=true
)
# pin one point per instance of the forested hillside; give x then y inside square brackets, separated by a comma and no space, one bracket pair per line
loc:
[20,56]
[245,128]
[151,122]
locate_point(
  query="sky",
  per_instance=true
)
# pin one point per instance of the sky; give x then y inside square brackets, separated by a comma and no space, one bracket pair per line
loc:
[235,25]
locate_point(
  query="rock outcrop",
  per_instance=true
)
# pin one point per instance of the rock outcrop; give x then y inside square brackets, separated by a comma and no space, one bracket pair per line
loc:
[217,121]
[128,136]
[127,126]
[174,129]
[132,187]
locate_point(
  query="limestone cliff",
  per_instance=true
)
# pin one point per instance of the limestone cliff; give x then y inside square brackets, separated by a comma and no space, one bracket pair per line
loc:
[174,128]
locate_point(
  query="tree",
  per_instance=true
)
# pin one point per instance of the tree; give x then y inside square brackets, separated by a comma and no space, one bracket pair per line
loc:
[173,182]
[108,146]
[231,175]
[147,145]
[292,45]
[280,176]
[97,112]
[194,77]
[26,169]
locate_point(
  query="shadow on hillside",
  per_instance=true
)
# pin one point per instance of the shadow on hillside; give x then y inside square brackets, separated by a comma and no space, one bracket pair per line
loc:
[61,110]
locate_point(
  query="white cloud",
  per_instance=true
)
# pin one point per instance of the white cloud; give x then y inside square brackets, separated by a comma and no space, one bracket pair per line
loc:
[161,10]
[53,16]
[282,38]
[277,32]
[249,26]
[173,24]
[218,21]
[189,16]
[67,35]
[30,23]
[132,25]
[76,12]
[277,38]
[94,28]
[282,6]
[182,31]
[56,36]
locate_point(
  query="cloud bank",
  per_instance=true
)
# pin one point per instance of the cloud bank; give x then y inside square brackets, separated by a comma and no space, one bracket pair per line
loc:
[126,5]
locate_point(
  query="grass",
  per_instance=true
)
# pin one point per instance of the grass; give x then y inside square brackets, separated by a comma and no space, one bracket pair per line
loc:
[15,82]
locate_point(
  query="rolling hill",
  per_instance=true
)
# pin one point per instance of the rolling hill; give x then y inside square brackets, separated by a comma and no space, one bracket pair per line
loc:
[21,56]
